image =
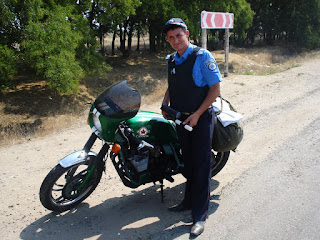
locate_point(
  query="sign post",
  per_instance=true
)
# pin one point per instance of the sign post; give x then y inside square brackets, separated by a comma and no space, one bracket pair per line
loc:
[217,20]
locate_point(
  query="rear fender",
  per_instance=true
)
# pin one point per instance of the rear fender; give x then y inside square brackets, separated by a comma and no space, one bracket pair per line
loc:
[75,158]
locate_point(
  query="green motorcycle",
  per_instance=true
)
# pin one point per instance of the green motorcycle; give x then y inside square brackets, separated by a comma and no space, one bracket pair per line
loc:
[142,145]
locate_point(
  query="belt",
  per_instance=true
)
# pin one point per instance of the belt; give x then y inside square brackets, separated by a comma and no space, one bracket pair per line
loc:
[186,113]
[189,113]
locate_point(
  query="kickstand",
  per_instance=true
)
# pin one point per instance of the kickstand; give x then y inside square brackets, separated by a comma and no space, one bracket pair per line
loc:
[161,187]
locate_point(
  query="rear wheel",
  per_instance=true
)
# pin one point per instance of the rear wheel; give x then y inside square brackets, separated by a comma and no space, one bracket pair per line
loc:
[219,160]
[64,188]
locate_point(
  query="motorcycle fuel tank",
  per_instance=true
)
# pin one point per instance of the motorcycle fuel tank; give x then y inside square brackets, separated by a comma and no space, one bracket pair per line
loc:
[153,128]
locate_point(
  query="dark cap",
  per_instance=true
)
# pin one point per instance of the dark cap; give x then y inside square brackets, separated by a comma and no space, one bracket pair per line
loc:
[173,22]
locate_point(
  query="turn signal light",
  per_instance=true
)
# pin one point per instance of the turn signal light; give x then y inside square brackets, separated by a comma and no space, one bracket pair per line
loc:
[116,148]
[88,120]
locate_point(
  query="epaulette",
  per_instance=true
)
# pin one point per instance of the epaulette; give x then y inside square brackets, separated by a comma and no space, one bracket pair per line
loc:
[170,55]
[201,51]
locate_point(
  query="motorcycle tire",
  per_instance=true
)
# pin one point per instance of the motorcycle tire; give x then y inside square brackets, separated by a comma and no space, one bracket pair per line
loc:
[219,160]
[64,188]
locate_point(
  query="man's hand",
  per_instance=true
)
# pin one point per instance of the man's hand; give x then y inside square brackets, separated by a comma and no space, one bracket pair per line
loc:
[213,93]
[164,114]
[192,120]
[166,100]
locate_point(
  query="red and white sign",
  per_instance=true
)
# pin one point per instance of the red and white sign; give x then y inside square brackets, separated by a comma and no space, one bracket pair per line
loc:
[216,20]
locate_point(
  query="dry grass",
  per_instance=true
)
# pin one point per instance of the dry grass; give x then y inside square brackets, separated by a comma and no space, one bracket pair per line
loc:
[262,61]
[32,110]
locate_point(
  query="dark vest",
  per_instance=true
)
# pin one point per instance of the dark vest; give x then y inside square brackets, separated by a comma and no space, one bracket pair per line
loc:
[185,95]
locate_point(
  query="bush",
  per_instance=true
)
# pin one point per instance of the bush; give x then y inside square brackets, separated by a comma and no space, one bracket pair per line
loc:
[213,43]
[61,50]
[50,49]
[90,61]
[311,39]
[8,67]
[63,73]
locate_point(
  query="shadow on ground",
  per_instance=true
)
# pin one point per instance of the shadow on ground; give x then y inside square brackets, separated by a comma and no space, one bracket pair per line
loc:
[140,215]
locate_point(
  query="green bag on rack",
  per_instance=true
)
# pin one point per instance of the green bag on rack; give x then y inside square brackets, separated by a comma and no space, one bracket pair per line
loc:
[226,138]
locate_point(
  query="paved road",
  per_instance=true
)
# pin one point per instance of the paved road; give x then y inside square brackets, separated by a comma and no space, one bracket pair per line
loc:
[277,199]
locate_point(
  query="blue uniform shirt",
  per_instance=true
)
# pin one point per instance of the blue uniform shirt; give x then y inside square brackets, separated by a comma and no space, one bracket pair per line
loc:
[205,69]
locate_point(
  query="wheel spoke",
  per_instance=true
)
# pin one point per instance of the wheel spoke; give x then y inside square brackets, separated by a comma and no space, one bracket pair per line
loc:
[70,173]
[59,185]
[57,190]
[60,199]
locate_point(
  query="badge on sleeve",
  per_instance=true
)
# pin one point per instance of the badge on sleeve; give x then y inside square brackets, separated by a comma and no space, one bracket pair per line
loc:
[211,65]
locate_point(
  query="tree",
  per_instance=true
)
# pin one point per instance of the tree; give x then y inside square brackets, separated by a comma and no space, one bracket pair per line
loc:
[50,47]
[55,39]
[112,16]
[59,39]
[306,22]
[192,10]
[8,67]
[292,20]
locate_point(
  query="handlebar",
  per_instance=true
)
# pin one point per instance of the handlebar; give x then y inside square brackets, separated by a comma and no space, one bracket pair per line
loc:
[174,116]
[173,113]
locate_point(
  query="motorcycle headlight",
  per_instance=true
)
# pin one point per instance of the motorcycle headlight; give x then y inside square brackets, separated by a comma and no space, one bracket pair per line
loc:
[96,122]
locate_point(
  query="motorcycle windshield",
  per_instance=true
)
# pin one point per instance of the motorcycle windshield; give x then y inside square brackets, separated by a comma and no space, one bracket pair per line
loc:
[119,101]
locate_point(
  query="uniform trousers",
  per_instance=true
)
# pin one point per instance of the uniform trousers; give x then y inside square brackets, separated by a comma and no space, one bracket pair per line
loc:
[197,157]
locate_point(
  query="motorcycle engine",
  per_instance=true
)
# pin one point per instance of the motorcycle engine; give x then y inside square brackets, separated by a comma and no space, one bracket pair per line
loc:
[140,160]
[158,165]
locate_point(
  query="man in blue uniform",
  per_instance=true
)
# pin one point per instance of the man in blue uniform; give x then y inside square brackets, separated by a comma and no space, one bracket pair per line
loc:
[193,85]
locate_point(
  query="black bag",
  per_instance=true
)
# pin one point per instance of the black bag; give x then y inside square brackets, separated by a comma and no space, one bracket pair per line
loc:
[226,138]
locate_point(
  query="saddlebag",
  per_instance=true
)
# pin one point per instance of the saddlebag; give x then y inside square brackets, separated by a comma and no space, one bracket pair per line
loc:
[228,130]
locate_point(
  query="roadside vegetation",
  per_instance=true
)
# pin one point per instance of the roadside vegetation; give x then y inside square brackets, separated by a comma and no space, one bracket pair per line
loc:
[58,40]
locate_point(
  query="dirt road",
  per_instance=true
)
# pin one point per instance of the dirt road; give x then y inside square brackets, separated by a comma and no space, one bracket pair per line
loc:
[281,113]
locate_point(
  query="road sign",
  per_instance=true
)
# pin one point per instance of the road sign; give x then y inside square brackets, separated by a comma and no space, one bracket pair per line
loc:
[216,20]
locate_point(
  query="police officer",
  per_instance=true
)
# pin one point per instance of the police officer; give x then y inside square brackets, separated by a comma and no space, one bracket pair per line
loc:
[193,85]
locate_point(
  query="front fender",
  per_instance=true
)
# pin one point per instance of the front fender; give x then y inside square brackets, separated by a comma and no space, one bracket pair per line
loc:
[75,158]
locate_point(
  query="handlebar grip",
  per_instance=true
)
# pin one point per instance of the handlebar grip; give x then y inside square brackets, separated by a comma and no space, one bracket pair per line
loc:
[177,121]
[170,111]
[187,127]
[176,115]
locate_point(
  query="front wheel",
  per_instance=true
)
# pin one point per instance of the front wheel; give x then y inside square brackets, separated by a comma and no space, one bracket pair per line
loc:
[64,188]
[219,160]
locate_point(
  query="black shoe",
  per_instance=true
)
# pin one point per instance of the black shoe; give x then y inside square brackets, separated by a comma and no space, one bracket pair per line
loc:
[180,207]
[197,228]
